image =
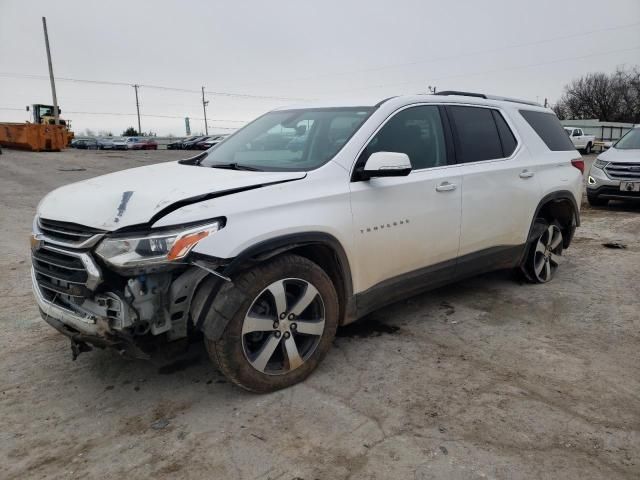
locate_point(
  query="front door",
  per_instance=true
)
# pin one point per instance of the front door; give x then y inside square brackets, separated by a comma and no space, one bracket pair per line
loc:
[407,225]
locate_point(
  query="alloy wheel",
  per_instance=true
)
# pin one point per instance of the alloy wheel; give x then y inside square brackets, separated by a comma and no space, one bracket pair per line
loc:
[283,326]
[547,254]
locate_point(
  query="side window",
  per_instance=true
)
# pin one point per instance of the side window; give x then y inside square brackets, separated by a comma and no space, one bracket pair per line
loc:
[416,131]
[506,135]
[476,134]
[549,129]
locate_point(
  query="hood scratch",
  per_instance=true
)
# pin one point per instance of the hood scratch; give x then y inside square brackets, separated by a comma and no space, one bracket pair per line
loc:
[126,196]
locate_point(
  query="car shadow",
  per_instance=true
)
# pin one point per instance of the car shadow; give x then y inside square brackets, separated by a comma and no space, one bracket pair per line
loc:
[189,364]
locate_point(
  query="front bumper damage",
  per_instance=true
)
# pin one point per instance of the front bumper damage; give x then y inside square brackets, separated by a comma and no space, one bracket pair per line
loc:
[125,314]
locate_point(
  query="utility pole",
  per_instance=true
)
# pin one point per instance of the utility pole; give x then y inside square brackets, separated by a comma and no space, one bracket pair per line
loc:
[56,110]
[135,87]
[204,109]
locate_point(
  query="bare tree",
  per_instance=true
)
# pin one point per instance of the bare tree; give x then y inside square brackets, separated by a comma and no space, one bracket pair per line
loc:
[606,97]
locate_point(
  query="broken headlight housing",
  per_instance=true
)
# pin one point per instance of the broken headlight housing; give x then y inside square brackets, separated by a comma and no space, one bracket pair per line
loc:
[154,248]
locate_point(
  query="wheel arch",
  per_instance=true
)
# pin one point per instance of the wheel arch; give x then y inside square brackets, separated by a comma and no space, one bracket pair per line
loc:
[562,206]
[319,247]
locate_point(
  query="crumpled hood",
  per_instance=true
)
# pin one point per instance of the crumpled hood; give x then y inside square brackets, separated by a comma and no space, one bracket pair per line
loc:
[620,155]
[134,196]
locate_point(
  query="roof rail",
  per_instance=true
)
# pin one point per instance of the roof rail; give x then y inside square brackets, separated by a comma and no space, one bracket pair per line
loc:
[462,94]
[488,97]
[514,100]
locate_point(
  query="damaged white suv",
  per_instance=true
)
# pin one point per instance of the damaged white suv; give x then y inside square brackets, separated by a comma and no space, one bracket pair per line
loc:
[304,220]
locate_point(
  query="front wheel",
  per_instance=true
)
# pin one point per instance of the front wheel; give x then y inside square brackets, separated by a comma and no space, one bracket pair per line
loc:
[544,254]
[281,325]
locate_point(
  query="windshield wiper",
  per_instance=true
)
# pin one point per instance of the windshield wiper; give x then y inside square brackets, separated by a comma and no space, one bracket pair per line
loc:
[235,166]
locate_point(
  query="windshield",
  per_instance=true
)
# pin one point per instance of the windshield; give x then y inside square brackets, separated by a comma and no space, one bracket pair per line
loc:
[289,140]
[630,141]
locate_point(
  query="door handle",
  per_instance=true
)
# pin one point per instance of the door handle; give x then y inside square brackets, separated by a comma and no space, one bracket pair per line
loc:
[445,187]
[526,174]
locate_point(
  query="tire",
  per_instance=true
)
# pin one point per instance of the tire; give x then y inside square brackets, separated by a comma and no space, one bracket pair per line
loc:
[587,149]
[543,255]
[263,347]
[596,201]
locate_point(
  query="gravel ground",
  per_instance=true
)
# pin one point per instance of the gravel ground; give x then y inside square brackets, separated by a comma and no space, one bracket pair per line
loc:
[483,379]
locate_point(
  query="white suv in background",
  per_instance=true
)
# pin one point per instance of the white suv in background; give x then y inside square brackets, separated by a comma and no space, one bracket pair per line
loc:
[304,220]
[615,175]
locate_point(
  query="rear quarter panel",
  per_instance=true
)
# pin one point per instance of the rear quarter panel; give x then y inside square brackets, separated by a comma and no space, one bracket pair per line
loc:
[554,169]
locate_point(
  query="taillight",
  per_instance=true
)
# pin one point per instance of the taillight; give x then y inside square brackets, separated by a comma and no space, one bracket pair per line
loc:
[578,163]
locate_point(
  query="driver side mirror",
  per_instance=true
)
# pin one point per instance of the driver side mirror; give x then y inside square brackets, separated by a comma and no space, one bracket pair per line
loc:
[386,164]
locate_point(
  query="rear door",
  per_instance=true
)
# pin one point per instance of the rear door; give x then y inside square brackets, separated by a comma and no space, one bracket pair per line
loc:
[408,227]
[500,190]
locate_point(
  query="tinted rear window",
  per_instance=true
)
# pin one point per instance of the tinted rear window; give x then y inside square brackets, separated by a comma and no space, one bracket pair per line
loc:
[477,134]
[549,129]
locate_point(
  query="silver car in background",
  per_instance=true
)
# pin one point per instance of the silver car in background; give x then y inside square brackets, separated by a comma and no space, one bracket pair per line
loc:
[615,175]
[119,143]
[105,143]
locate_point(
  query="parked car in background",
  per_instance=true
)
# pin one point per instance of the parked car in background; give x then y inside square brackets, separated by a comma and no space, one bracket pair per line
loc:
[119,143]
[143,144]
[105,143]
[266,252]
[178,144]
[191,144]
[86,144]
[615,175]
[580,140]
[208,142]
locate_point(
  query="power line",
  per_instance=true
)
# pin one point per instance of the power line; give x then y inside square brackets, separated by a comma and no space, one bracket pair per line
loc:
[455,57]
[225,120]
[483,72]
[146,85]
[124,114]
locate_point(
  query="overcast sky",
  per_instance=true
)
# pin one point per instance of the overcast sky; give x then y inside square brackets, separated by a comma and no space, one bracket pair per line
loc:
[333,49]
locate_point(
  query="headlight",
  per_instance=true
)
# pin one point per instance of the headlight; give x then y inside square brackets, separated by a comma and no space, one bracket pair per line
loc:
[155,248]
[600,164]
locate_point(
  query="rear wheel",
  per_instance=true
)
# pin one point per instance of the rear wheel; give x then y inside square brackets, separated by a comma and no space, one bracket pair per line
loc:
[544,253]
[587,149]
[281,329]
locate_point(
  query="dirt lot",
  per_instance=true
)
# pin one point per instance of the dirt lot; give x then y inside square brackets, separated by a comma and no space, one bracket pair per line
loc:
[484,379]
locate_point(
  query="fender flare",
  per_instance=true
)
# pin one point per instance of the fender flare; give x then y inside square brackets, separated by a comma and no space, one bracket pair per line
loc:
[213,321]
[561,195]
[274,246]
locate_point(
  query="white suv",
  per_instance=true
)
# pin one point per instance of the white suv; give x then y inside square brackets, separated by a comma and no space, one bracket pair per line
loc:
[304,220]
